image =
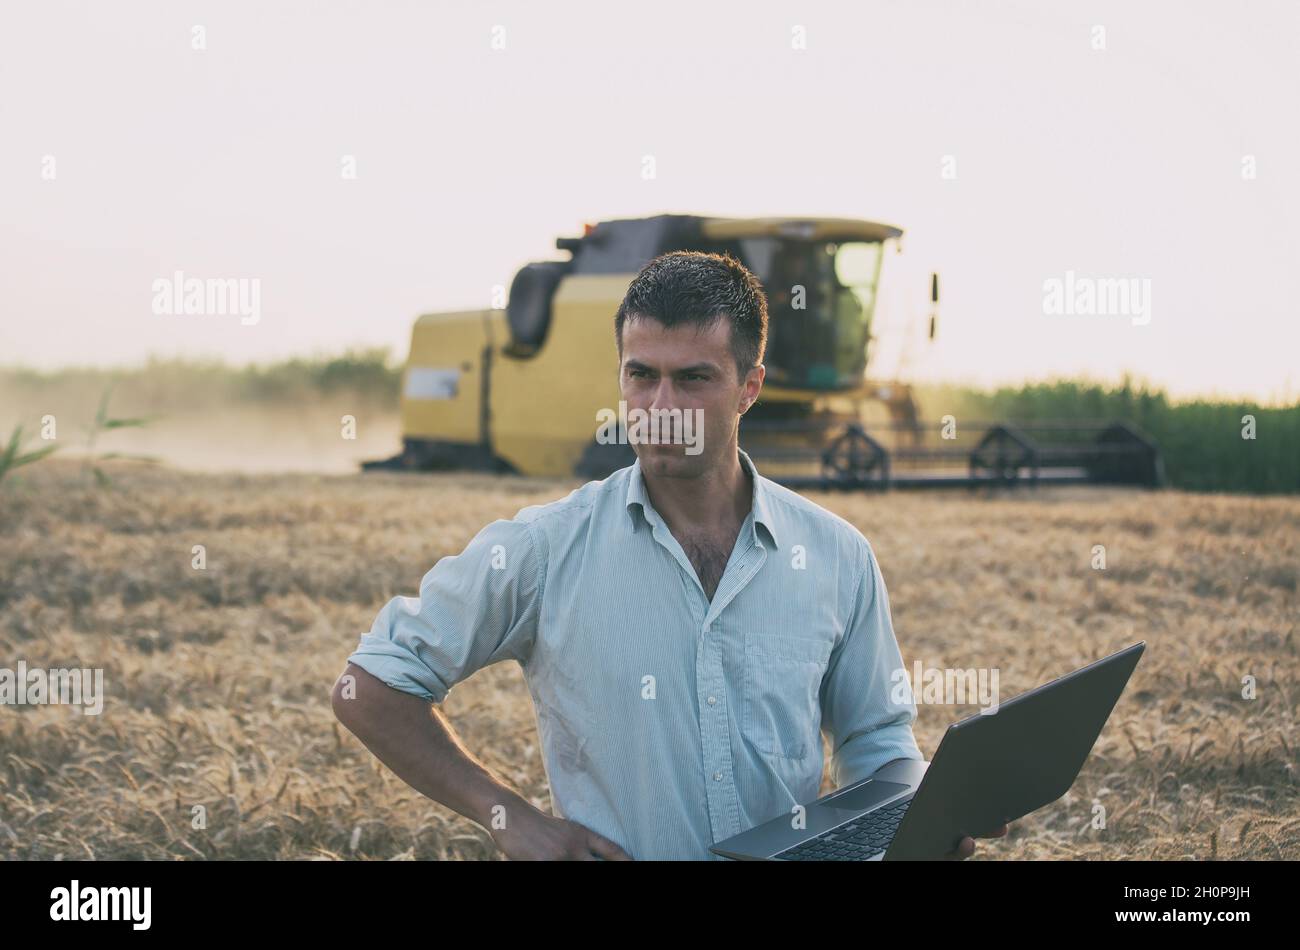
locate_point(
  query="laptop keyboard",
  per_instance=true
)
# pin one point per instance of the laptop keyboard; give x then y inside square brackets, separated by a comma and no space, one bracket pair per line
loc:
[859,840]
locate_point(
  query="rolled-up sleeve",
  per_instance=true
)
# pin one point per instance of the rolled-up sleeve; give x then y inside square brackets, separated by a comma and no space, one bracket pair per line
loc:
[866,713]
[475,608]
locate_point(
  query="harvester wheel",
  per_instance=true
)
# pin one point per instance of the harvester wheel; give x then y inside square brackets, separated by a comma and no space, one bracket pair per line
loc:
[600,460]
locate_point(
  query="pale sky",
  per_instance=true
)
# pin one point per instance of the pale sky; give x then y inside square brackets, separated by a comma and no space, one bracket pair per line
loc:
[225,162]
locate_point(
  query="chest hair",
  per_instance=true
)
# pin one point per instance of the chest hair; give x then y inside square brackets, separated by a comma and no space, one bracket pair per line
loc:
[709,558]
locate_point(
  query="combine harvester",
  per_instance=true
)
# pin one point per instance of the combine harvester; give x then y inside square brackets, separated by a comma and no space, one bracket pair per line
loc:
[518,390]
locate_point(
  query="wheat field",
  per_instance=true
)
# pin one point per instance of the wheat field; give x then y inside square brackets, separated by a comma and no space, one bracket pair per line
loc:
[218,680]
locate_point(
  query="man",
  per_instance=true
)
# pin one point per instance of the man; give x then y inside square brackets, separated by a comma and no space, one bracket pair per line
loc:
[685,626]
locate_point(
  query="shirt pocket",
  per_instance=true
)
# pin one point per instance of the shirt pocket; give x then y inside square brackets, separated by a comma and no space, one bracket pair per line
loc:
[781,713]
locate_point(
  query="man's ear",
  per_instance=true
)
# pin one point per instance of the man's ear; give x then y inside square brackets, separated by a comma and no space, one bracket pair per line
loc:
[753,386]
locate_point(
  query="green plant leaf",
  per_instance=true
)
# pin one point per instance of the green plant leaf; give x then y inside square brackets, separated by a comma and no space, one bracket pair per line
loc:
[124,423]
[102,414]
[152,459]
[32,456]
[11,450]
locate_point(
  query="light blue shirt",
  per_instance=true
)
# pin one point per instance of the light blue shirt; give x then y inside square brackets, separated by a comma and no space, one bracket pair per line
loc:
[668,722]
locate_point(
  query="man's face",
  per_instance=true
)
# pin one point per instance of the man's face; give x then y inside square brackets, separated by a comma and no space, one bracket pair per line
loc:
[685,368]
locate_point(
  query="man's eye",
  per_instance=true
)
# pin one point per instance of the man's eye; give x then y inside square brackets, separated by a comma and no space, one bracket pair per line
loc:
[694,376]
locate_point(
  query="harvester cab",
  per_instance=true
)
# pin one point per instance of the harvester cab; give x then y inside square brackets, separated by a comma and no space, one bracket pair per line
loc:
[519,389]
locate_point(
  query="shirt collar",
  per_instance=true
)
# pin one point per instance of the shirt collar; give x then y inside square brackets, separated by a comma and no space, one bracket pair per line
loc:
[638,497]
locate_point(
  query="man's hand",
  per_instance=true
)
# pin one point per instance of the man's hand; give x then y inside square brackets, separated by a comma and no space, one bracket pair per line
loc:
[966,847]
[537,836]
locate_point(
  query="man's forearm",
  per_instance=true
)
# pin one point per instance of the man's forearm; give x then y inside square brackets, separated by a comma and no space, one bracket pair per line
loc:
[410,736]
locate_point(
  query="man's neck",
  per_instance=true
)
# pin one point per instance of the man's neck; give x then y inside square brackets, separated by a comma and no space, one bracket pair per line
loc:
[720,498]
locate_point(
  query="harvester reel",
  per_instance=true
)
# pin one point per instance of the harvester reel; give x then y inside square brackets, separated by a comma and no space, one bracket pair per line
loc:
[855,459]
[1003,452]
[1125,456]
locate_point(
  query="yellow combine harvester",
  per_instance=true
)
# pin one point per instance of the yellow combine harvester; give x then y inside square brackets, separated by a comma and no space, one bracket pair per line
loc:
[519,389]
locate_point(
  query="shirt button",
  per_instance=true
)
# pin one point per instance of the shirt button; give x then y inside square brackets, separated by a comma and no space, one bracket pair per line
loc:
[712,700]
[717,776]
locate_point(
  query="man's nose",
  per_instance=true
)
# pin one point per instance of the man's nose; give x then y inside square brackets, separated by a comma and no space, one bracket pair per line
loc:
[665,394]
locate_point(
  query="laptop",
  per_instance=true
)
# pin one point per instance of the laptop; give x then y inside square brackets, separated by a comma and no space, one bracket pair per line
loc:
[989,769]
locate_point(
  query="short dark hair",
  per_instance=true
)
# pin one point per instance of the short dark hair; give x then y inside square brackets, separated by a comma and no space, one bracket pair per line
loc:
[695,287]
